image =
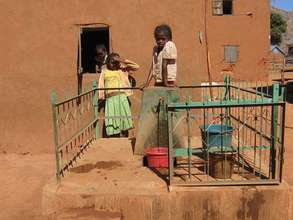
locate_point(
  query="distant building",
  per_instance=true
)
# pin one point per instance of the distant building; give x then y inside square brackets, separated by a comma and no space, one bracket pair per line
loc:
[275,62]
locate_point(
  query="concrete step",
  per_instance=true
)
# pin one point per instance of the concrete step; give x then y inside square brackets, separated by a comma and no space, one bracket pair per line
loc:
[111,183]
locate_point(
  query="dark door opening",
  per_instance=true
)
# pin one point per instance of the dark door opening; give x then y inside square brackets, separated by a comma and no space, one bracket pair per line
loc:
[227,7]
[90,38]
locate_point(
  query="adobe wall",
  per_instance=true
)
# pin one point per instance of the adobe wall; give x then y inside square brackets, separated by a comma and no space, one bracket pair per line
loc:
[250,32]
[39,51]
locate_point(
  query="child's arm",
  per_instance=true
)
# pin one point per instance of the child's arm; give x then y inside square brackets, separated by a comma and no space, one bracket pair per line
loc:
[131,66]
[150,75]
[128,65]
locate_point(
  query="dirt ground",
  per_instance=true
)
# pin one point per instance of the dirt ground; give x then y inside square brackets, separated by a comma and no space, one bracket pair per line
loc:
[22,179]
[23,176]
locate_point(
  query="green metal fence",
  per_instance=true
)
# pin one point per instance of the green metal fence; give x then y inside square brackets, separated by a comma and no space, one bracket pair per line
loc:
[77,123]
[251,153]
[256,113]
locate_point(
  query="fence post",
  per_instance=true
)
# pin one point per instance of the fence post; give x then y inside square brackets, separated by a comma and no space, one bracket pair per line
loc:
[274,128]
[227,96]
[96,108]
[55,130]
[170,149]
[282,131]
[227,81]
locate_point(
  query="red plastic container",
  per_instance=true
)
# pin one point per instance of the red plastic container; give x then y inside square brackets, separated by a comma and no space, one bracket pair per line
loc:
[157,157]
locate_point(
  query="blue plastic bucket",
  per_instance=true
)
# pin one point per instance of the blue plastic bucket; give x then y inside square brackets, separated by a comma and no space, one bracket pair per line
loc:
[217,137]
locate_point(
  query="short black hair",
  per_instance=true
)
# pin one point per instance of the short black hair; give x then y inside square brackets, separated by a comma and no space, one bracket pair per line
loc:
[166,29]
[110,56]
[100,46]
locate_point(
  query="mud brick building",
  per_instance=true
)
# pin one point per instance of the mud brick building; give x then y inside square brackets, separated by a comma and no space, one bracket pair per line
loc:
[42,40]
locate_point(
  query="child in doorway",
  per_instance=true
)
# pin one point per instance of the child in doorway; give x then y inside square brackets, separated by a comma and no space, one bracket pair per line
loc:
[117,109]
[100,57]
[164,63]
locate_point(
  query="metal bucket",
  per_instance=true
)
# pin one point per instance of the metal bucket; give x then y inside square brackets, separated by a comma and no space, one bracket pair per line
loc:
[221,165]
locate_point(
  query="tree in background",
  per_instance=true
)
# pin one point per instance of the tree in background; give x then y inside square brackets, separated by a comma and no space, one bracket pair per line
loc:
[278,27]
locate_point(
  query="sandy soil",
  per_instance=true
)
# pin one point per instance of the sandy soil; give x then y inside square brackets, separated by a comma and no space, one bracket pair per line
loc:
[24,175]
[22,179]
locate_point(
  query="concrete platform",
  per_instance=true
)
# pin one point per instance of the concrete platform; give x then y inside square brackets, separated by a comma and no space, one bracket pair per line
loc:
[110,183]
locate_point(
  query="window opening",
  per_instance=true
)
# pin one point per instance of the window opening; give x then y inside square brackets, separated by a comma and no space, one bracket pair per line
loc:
[222,7]
[231,53]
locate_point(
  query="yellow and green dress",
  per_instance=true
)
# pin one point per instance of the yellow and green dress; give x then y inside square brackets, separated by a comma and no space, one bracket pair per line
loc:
[117,107]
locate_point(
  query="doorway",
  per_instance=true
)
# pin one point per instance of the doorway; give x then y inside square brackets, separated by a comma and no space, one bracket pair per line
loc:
[90,37]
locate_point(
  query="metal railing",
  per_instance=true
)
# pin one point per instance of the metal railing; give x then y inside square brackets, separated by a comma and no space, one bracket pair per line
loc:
[252,153]
[247,148]
[77,123]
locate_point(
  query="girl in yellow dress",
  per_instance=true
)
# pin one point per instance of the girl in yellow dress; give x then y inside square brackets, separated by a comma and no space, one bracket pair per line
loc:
[117,109]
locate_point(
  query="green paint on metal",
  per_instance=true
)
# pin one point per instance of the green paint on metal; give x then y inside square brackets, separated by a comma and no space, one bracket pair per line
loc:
[283,98]
[282,133]
[255,147]
[71,98]
[181,152]
[170,148]
[76,134]
[96,108]
[224,103]
[274,128]
[227,97]
[55,129]
[283,94]
[256,99]
[189,142]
